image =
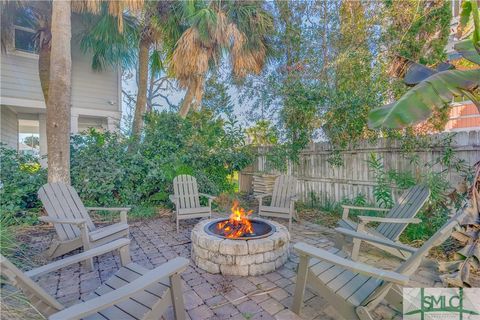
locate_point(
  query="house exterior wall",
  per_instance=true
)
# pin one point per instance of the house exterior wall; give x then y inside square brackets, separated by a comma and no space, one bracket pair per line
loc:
[20,84]
[8,127]
[95,100]
[464,116]
[85,123]
[19,78]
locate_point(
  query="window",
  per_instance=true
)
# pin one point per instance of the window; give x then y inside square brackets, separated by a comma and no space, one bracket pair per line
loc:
[25,39]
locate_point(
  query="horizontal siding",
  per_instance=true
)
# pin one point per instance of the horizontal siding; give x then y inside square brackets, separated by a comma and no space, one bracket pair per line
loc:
[85,123]
[18,77]
[8,127]
[90,89]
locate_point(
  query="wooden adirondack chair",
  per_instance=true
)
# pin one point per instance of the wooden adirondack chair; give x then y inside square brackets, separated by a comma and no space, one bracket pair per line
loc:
[393,224]
[187,199]
[72,222]
[354,289]
[132,293]
[283,199]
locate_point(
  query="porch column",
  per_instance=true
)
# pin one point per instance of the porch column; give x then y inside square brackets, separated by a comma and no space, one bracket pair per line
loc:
[42,133]
[74,123]
[112,124]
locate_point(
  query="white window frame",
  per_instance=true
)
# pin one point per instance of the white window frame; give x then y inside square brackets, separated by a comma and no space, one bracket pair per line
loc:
[19,52]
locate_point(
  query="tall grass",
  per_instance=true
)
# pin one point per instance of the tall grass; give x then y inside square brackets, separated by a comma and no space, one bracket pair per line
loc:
[13,304]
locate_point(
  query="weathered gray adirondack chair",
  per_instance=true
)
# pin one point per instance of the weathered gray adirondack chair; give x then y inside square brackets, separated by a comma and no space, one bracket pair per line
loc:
[133,292]
[72,222]
[393,224]
[283,199]
[354,289]
[187,199]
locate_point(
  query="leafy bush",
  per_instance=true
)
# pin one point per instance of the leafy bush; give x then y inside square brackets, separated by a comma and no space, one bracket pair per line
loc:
[103,172]
[20,179]
[211,149]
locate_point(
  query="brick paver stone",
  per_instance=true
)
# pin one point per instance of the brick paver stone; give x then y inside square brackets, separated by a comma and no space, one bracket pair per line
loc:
[214,296]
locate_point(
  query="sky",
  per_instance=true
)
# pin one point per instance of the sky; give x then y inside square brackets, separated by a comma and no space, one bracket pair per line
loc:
[176,96]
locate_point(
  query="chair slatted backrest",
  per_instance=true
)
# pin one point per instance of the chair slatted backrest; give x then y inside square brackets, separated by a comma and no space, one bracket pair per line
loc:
[408,205]
[185,189]
[38,297]
[411,264]
[62,201]
[284,189]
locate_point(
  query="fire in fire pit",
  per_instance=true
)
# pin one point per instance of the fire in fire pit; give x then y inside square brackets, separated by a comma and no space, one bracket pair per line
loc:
[240,226]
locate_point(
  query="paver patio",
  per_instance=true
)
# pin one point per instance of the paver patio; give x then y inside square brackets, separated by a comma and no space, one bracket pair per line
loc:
[210,296]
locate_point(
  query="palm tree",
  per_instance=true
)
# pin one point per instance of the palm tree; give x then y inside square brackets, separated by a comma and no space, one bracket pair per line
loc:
[240,28]
[59,93]
[153,27]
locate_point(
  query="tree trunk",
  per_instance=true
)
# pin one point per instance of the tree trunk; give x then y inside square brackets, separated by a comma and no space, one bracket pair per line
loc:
[199,89]
[59,92]
[193,97]
[143,59]
[44,69]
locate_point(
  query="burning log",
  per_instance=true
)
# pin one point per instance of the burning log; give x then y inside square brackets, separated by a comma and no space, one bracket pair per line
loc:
[238,223]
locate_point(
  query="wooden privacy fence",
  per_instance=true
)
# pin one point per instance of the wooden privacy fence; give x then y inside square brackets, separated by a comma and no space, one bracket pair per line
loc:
[315,174]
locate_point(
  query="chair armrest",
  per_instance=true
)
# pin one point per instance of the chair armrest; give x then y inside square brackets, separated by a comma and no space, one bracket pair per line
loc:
[389,220]
[77,222]
[207,196]
[80,223]
[378,240]
[114,245]
[89,307]
[364,208]
[362,268]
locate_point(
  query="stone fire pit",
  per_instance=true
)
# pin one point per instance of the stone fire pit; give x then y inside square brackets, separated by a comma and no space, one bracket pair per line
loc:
[242,257]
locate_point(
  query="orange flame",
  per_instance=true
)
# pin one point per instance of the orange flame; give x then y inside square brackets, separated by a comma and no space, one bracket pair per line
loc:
[238,223]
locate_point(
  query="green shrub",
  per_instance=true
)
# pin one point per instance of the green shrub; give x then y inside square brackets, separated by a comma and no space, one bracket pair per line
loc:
[20,178]
[211,149]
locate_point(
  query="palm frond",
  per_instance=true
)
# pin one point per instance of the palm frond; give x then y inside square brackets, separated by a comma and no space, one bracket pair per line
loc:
[190,57]
[243,59]
[156,62]
[116,8]
[205,21]
[108,45]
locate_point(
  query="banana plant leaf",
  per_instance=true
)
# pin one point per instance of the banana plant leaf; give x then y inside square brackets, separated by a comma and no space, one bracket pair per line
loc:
[417,73]
[418,103]
[468,50]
